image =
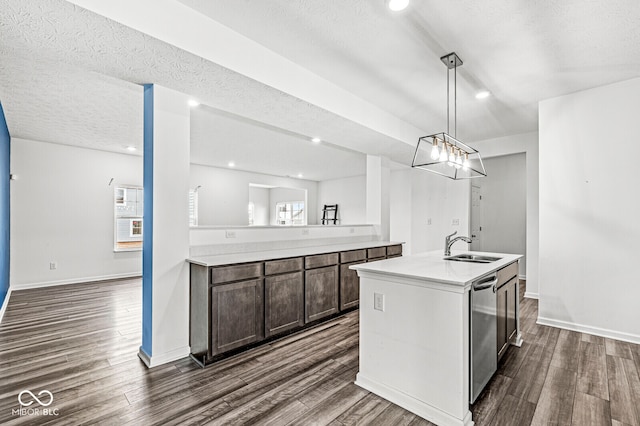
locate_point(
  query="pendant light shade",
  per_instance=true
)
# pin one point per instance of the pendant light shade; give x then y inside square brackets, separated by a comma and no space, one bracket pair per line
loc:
[466,163]
[442,153]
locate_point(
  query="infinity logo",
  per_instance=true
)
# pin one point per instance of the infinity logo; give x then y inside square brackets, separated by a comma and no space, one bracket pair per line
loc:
[45,392]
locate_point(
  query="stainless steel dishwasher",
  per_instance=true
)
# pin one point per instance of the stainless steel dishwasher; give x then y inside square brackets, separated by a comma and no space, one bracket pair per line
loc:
[483,327]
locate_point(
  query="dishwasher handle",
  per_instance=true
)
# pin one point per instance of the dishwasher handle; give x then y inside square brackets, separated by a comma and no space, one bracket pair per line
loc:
[485,283]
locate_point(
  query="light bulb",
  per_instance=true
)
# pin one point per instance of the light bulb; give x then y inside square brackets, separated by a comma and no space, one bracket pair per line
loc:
[435,153]
[458,159]
[452,158]
[443,153]
[465,163]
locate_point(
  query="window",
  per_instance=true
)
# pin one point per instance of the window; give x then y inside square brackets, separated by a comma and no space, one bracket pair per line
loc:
[128,208]
[193,207]
[290,213]
[136,228]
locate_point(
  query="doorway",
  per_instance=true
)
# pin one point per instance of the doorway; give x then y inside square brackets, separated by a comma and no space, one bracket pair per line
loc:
[498,208]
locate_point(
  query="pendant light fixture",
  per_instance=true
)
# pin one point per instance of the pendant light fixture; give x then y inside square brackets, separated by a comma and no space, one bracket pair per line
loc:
[442,153]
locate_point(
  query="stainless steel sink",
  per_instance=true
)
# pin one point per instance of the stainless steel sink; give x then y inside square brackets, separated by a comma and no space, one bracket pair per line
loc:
[474,258]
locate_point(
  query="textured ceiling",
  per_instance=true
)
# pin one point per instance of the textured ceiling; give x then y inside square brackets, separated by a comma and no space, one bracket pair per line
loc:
[71,76]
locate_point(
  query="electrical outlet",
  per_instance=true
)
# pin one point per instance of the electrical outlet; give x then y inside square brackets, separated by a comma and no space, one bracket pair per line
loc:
[230,234]
[429,221]
[53,265]
[455,222]
[305,232]
[352,230]
[378,301]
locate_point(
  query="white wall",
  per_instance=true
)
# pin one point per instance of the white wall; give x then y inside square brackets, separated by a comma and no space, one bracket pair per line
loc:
[417,196]
[527,143]
[62,211]
[224,195]
[589,233]
[350,195]
[260,199]
[503,207]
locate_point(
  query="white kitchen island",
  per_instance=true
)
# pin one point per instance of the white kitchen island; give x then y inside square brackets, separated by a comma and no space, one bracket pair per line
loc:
[414,332]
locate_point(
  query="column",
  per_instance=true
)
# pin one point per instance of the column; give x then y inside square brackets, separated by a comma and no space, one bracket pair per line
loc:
[165,282]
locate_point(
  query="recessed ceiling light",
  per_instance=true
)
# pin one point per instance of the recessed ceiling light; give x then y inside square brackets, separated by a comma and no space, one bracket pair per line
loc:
[483,94]
[131,148]
[231,164]
[193,103]
[397,5]
[316,140]
[300,175]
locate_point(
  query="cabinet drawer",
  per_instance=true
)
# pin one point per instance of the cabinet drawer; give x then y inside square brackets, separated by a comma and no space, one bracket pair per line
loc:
[374,253]
[282,266]
[225,274]
[394,250]
[505,274]
[353,256]
[320,260]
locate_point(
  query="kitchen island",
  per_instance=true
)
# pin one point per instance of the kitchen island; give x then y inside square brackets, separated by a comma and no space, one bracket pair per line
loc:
[415,331]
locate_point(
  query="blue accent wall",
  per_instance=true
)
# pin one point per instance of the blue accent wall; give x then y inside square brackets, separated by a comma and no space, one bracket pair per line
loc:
[147,242]
[5,201]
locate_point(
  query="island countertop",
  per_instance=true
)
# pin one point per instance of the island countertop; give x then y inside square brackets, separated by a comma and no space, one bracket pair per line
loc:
[431,266]
[256,256]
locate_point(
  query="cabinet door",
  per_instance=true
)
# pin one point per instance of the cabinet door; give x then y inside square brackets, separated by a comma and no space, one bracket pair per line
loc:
[237,315]
[349,287]
[321,293]
[284,303]
[501,320]
[512,300]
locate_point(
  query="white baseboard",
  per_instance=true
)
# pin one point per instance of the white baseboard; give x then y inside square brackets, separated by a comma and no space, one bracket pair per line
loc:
[531,295]
[25,286]
[522,277]
[412,404]
[602,332]
[5,304]
[167,357]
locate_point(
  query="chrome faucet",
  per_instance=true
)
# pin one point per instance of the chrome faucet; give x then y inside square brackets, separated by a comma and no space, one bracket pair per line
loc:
[448,242]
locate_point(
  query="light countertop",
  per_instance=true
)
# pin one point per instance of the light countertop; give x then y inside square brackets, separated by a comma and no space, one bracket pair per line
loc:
[431,266]
[258,256]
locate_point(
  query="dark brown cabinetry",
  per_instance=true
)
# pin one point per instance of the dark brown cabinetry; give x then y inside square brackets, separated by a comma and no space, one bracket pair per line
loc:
[349,281]
[321,292]
[237,316]
[240,305]
[284,297]
[506,304]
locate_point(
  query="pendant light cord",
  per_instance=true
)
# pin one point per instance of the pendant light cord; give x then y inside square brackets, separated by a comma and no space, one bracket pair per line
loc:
[448,100]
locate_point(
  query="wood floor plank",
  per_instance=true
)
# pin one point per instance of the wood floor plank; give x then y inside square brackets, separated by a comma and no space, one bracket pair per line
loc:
[328,409]
[633,379]
[622,402]
[618,348]
[394,415]
[567,350]
[513,411]
[488,402]
[590,410]
[555,405]
[592,370]
[364,411]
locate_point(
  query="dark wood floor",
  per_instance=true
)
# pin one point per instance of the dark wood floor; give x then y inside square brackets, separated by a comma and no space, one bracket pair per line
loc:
[80,343]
